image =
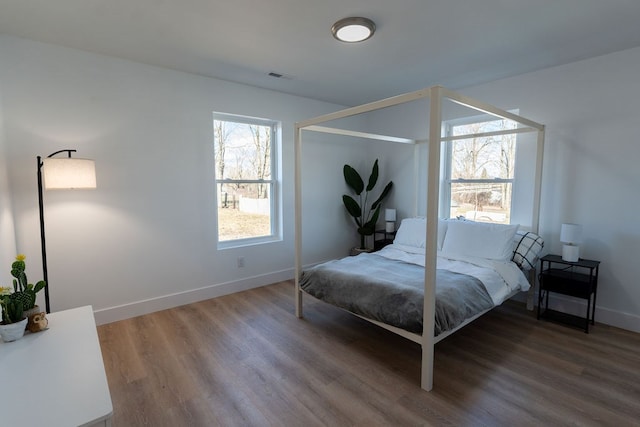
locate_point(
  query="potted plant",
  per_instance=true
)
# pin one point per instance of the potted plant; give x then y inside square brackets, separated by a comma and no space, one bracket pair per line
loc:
[13,321]
[364,216]
[24,292]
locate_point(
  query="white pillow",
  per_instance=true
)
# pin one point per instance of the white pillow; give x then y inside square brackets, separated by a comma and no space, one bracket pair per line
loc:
[442,231]
[413,231]
[478,239]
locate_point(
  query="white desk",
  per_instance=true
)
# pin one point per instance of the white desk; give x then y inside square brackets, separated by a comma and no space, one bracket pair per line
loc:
[56,377]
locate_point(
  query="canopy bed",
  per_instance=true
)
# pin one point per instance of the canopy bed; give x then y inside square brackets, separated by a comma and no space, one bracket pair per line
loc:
[420,265]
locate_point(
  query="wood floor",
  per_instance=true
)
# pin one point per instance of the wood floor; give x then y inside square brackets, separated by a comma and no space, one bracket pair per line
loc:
[246,360]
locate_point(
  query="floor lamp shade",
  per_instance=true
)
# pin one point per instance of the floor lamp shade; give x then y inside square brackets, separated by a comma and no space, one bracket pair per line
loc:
[68,173]
[60,173]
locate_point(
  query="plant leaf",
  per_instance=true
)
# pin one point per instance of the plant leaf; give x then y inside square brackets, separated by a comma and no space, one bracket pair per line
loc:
[41,284]
[353,179]
[363,231]
[384,194]
[373,178]
[352,207]
[370,227]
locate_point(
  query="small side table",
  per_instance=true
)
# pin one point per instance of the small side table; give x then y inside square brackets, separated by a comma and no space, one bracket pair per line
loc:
[387,239]
[577,279]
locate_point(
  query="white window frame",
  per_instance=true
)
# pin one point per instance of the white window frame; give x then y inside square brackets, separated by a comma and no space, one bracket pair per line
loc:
[446,161]
[274,182]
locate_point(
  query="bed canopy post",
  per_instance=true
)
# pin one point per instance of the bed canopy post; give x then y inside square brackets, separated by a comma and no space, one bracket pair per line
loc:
[416,179]
[433,184]
[535,222]
[298,217]
[535,217]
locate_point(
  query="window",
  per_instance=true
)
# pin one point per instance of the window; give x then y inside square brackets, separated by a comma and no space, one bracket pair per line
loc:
[246,190]
[479,170]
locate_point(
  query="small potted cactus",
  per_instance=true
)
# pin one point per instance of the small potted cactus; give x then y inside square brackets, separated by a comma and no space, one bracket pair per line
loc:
[24,292]
[13,322]
[18,304]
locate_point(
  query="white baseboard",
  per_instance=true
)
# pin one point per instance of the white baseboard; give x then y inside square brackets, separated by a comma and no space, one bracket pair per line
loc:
[604,315]
[630,322]
[569,305]
[578,307]
[138,308]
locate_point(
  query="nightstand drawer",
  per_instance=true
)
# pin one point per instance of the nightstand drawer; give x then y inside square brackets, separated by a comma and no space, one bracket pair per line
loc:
[567,283]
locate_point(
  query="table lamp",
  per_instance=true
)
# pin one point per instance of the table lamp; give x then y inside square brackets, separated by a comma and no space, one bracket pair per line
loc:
[571,237]
[390,219]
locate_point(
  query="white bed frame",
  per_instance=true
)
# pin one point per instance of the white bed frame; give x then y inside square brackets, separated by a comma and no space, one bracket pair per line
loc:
[435,95]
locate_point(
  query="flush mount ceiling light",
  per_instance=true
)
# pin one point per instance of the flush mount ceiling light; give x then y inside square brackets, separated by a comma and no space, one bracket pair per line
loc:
[353,30]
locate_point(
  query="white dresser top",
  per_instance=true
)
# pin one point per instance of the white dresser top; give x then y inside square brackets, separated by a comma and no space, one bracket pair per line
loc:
[55,377]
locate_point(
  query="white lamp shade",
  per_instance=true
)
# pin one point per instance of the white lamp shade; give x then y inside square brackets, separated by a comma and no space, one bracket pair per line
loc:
[390,215]
[571,234]
[68,173]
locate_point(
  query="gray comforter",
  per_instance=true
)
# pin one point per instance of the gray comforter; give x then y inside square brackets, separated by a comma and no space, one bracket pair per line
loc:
[392,291]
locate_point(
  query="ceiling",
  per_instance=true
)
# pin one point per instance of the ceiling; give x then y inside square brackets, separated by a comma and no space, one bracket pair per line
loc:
[418,43]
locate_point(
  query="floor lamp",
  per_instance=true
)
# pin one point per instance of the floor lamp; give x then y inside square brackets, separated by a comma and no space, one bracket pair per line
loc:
[60,173]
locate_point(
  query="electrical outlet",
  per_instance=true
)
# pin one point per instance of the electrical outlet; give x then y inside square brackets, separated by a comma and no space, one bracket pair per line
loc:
[240,261]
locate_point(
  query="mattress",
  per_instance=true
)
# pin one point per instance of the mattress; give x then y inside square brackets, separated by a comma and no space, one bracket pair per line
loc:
[388,286]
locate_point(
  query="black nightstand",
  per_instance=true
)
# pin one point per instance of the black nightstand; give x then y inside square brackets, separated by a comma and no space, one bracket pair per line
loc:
[387,239]
[577,279]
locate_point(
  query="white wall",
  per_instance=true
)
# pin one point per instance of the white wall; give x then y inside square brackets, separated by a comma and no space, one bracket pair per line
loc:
[7,231]
[323,209]
[591,175]
[145,238]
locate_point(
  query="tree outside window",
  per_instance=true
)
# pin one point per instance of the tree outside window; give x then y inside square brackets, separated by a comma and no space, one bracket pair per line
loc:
[480,171]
